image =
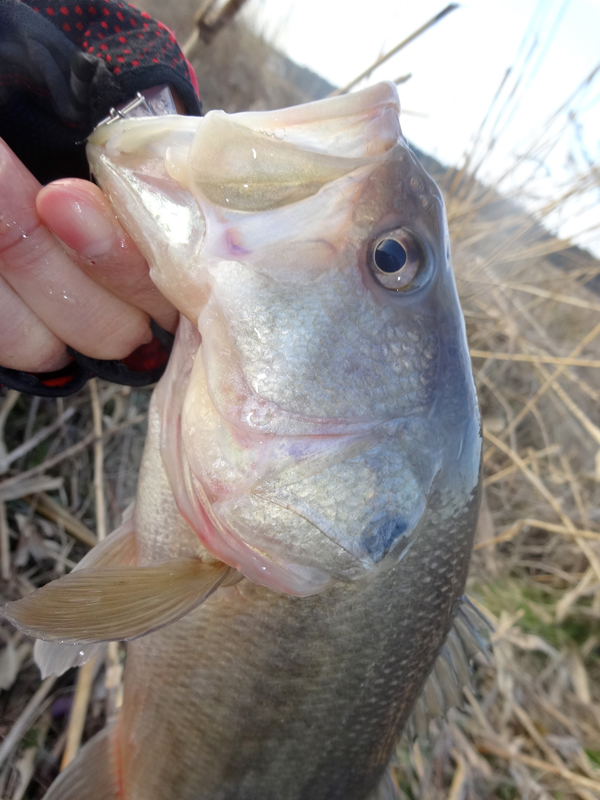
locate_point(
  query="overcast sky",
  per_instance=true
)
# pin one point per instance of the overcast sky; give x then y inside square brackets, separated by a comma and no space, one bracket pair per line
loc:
[457,67]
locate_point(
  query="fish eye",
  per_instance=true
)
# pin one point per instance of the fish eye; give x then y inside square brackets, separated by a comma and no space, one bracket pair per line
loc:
[397,259]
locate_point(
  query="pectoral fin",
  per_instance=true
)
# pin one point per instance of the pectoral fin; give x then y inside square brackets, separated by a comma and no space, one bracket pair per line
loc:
[118,549]
[106,603]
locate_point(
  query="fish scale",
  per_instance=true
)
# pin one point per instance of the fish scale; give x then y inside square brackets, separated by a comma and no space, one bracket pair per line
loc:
[275,723]
[290,581]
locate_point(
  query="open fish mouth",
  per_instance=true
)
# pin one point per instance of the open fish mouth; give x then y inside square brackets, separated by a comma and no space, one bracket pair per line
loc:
[299,383]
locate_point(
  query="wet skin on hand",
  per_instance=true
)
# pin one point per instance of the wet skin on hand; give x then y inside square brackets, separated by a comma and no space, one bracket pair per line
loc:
[69,274]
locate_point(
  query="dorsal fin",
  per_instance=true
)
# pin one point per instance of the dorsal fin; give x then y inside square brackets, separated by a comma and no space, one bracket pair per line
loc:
[443,688]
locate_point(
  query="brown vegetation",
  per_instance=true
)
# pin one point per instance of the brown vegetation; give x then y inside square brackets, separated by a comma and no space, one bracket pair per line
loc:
[530,727]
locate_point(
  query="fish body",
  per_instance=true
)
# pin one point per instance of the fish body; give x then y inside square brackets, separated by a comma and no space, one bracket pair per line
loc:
[314,443]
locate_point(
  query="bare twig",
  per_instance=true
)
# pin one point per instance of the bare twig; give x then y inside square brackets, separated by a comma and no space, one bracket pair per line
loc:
[50,509]
[7,406]
[78,711]
[69,452]
[86,672]
[4,545]
[27,763]
[208,22]
[98,462]
[26,718]
[535,359]
[456,787]
[589,337]
[557,296]
[29,444]
[516,528]
[382,59]
[536,763]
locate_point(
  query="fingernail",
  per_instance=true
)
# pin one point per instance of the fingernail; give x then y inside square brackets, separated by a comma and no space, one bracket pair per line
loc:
[76,220]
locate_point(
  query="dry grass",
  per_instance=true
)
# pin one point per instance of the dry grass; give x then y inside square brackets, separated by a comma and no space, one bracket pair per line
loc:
[41,537]
[531,727]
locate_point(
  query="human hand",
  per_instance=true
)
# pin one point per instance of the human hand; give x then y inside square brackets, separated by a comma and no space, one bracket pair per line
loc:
[69,275]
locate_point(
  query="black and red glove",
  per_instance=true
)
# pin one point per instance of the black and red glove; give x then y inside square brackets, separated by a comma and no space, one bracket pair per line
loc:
[63,65]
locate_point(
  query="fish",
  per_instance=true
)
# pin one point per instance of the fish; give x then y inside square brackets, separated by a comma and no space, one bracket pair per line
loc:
[291,579]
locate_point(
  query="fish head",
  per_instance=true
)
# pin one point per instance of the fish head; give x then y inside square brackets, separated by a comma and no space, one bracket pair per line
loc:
[320,390]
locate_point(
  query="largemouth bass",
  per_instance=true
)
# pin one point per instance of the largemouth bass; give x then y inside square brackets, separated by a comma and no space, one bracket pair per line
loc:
[310,484]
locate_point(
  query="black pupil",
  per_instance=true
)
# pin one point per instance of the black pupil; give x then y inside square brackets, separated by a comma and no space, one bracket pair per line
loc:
[390,256]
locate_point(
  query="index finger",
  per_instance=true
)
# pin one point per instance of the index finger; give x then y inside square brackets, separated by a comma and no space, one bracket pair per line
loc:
[77,212]
[79,312]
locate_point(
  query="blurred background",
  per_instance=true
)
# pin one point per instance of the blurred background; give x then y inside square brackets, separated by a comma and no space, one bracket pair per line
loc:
[500,100]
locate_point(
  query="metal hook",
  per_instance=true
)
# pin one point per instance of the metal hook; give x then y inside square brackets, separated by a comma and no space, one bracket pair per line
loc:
[121,113]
